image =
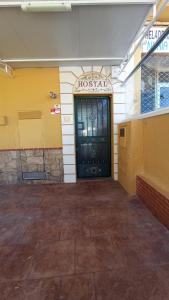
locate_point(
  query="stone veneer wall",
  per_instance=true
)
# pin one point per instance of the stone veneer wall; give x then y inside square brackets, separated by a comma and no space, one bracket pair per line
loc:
[14,162]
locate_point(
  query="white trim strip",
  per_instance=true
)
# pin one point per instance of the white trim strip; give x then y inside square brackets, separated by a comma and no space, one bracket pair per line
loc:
[54,59]
[81,2]
[156,113]
[159,112]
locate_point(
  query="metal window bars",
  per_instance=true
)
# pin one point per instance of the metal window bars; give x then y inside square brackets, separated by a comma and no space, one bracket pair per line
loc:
[150,80]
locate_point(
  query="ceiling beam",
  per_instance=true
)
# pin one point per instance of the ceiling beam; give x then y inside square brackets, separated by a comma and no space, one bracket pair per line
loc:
[54,59]
[80,2]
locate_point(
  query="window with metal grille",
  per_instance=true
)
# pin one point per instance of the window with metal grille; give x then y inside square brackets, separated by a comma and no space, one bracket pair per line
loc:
[155,83]
[148,91]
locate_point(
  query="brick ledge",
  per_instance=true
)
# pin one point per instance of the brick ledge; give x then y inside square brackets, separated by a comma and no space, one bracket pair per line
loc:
[154,200]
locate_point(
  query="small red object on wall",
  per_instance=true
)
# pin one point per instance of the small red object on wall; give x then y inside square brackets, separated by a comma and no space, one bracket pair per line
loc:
[55,110]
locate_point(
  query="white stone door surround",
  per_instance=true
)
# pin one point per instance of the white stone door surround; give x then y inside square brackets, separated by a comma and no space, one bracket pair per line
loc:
[68,79]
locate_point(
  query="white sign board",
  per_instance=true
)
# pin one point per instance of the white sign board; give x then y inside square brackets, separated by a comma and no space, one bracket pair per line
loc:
[93,82]
[152,36]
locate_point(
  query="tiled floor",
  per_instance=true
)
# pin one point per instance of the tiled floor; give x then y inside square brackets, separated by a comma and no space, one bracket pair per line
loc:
[85,241]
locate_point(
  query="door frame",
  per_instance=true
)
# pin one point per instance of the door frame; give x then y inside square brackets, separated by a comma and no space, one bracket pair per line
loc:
[111,144]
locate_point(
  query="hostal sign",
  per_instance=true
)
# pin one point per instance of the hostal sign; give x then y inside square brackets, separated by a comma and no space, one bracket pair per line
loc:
[93,82]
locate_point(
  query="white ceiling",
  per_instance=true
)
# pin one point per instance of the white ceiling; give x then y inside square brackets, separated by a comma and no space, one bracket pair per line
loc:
[88,32]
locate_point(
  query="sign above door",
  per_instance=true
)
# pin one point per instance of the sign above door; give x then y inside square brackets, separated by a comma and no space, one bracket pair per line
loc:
[152,36]
[93,82]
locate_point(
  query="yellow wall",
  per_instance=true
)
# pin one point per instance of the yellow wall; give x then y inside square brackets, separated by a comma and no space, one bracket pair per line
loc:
[156,151]
[130,155]
[164,16]
[29,91]
[146,153]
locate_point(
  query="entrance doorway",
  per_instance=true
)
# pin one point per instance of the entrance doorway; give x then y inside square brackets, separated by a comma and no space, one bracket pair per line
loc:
[93,136]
